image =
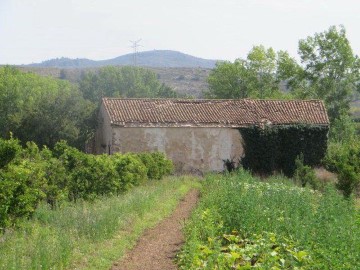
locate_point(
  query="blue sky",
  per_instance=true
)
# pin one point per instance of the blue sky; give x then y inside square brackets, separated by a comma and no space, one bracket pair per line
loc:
[37,30]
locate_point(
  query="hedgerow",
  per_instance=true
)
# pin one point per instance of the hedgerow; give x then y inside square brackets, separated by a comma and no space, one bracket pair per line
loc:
[29,175]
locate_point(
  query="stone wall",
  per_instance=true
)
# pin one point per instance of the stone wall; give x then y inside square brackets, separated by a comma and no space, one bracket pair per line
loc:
[192,149]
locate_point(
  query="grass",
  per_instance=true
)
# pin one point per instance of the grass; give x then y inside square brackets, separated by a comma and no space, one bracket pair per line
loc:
[90,235]
[243,222]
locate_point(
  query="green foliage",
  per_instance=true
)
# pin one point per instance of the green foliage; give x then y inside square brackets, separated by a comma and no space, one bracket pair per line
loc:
[126,82]
[254,77]
[42,109]
[343,129]
[331,70]
[165,165]
[8,150]
[274,149]
[304,174]
[343,158]
[234,251]
[31,175]
[243,222]
[131,170]
[21,189]
[157,164]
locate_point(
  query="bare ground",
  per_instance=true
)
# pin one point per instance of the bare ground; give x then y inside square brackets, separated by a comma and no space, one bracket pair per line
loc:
[158,246]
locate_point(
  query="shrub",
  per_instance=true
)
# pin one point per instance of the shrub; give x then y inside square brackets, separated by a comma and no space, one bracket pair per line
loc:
[157,164]
[29,175]
[131,170]
[165,165]
[304,174]
[22,187]
[343,158]
[8,150]
[153,169]
[107,178]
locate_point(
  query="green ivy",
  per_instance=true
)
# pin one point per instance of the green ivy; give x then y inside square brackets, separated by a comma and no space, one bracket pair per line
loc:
[274,149]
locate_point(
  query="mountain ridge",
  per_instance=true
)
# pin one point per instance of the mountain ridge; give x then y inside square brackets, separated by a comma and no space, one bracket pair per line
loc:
[154,58]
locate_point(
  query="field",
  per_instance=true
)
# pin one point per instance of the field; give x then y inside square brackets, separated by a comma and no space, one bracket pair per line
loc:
[89,235]
[242,222]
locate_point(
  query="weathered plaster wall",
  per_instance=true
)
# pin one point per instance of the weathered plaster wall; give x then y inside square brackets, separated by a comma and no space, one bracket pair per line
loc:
[103,135]
[191,149]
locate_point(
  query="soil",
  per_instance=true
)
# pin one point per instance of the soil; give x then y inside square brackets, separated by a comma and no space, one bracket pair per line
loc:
[158,246]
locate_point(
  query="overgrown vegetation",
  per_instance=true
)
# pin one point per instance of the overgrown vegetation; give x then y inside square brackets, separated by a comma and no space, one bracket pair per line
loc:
[42,109]
[275,149]
[30,175]
[243,223]
[89,235]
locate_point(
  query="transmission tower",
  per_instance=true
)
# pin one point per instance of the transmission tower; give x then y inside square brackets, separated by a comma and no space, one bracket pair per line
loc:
[135,46]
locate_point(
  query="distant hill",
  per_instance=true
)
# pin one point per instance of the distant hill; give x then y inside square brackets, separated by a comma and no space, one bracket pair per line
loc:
[155,58]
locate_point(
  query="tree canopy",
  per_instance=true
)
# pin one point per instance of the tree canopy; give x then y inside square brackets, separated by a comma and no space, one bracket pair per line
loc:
[42,109]
[257,76]
[330,69]
[126,82]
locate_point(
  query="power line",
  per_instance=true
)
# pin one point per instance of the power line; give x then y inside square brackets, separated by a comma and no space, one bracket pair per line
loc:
[135,45]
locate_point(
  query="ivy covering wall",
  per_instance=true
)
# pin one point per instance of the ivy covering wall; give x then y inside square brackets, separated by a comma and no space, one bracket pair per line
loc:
[274,149]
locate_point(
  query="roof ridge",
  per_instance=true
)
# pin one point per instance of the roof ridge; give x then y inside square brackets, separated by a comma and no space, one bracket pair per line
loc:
[213,112]
[209,99]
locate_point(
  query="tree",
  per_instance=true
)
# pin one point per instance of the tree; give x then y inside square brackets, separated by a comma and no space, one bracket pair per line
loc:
[124,82]
[42,109]
[256,76]
[331,70]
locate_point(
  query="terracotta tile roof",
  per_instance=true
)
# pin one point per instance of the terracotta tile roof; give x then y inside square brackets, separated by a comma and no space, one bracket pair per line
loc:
[213,113]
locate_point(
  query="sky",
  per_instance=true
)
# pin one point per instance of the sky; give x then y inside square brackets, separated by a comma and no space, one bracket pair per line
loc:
[32,31]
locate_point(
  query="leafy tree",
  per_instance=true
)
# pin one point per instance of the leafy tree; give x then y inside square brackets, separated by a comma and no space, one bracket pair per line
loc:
[331,70]
[130,82]
[256,76]
[42,109]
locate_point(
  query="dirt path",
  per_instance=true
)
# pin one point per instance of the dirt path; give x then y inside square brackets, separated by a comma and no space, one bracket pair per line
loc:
[158,246]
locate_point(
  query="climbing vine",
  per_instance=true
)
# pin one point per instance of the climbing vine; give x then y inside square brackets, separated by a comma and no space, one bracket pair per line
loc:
[274,149]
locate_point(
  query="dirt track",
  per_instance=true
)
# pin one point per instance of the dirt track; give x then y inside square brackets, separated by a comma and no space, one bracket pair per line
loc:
[157,247]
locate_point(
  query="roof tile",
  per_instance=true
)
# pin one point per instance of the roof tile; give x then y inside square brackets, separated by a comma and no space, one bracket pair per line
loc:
[213,113]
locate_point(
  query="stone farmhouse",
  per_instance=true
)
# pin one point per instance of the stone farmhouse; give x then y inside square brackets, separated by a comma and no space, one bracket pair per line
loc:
[198,135]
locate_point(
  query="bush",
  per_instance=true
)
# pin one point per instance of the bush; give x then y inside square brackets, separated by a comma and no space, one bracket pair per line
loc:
[305,175]
[29,175]
[165,165]
[343,158]
[153,169]
[22,187]
[131,170]
[8,150]
[157,164]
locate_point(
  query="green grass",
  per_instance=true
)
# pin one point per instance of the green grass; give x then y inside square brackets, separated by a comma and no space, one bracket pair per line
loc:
[90,235]
[243,222]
